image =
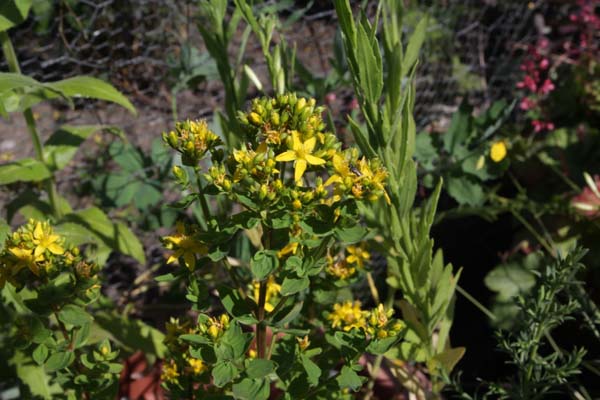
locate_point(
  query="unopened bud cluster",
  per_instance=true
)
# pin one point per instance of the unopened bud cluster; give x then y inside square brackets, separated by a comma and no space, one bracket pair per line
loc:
[193,140]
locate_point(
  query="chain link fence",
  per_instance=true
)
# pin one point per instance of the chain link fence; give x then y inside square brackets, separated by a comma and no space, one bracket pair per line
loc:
[472,49]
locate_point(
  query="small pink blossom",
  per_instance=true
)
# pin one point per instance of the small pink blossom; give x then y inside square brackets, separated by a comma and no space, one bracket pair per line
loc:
[354,104]
[547,87]
[544,63]
[526,104]
[587,203]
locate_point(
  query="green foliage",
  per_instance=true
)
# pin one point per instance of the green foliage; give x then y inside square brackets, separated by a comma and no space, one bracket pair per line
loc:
[426,283]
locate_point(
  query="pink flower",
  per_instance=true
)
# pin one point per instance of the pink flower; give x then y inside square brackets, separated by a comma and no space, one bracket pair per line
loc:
[526,104]
[587,203]
[547,87]
[544,63]
[330,97]
[354,104]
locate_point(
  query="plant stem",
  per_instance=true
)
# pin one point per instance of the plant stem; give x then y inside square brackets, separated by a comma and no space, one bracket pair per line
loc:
[261,329]
[476,303]
[203,203]
[13,66]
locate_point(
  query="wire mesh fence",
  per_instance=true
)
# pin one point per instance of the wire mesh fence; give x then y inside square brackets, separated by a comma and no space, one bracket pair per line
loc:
[471,50]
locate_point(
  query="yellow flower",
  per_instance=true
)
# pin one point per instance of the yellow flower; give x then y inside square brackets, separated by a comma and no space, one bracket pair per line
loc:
[348,315]
[197,366]
[301,153]
[290,248]
[498,151]
[340,269]
[169,372]
[184,245]
[358,255]
[342,170]
[44,239]
[25,258]
[273,290]
[375,178]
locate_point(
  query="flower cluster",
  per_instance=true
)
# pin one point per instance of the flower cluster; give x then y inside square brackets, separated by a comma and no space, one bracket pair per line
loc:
[185,362]
[193,140]
[377,323]
[287,134]
[536,83]
[354,258]
[34,251]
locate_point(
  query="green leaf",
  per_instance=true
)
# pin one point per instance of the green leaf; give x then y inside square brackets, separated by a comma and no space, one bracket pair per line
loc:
[263,263]
[252,389]
[4,231]
[348,379]
[74,315]
[62,146]
[259,368]
[10,81]
[132,334]
[369,63]
[34,377]
[24,170]
[465,190]
[198,339]
[81,336]
[313,371]
[350,235]
[291,285]
[40,354]
[59,360]
[13,13]
[223,373]
[233,303]
[93,225]
[460,128]
[414,46]
[509,280]
[449,358]
[381,346]
[88,87]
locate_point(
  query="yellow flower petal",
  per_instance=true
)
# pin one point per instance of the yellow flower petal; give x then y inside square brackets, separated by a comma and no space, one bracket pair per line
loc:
[309,145]
[289,155]
[56,249]
[190,260]
[314,160]
[299,171]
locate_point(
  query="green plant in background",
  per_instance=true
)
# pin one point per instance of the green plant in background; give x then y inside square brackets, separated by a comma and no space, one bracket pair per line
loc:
[295,192]
[542,367]
[426,284]
[468,154]
[18,93]
[137,182]
[47,286]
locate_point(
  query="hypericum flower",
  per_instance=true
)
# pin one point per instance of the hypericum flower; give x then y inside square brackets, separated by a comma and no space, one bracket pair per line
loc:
[217,326]
[185,246]
[290,248]
[358,255]
[376,178]
[25,259]
[301,153]
[498,151]
[348,316]
[197,366]
[343,173]
[169,372]
[340,269]
[45,239]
